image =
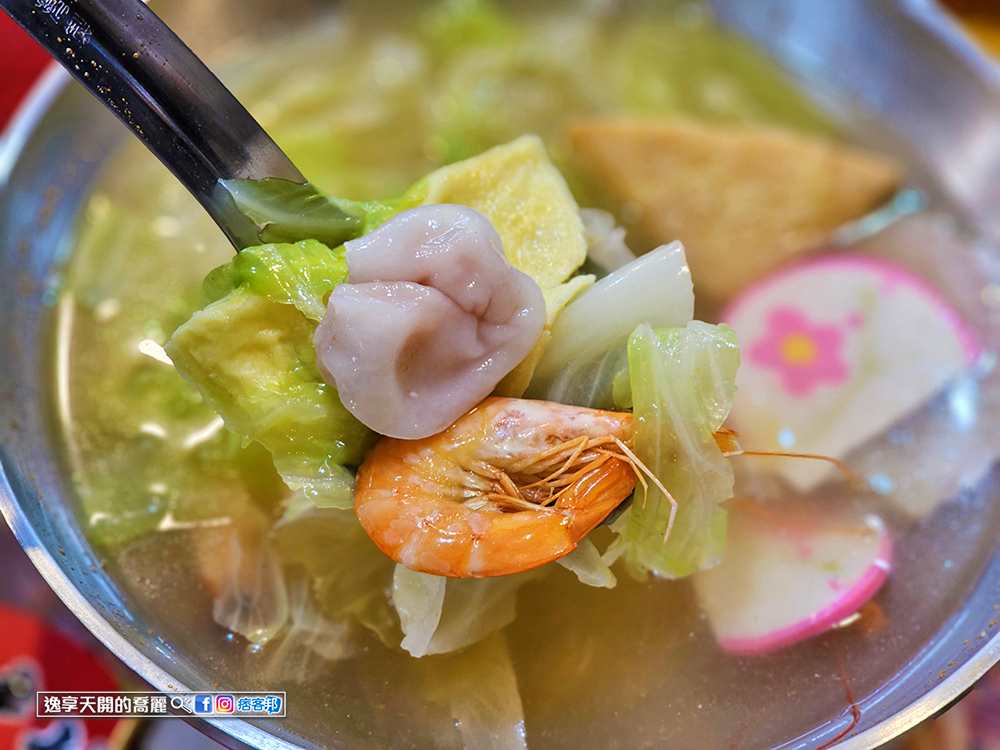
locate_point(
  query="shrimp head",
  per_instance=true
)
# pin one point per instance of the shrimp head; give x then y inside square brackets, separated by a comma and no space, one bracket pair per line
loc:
[511,485]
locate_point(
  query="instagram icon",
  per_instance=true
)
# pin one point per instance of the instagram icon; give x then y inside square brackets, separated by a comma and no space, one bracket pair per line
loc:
[224,704]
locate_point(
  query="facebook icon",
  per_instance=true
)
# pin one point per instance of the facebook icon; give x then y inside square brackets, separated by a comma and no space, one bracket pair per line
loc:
[203,704]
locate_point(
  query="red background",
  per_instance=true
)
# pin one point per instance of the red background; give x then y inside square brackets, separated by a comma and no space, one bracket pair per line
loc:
[20,62]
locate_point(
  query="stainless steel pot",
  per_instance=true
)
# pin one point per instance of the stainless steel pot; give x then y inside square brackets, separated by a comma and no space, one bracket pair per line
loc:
[896,68]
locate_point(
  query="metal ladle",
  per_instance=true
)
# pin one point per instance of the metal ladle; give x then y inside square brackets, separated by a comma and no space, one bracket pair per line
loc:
[129,59]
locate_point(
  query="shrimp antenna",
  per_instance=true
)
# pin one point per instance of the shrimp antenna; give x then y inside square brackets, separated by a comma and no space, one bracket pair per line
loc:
[640,468]
[726,440]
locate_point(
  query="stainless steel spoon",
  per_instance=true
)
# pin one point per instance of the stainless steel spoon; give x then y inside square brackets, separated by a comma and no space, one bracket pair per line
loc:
[130,60]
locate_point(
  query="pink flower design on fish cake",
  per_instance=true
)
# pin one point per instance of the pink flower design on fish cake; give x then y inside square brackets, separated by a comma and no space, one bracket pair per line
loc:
[804,354]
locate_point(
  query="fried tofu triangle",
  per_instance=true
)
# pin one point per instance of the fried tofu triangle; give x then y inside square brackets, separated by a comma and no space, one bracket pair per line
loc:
[743,199]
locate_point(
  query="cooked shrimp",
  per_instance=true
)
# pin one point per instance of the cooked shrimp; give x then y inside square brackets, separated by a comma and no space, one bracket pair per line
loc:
[511,485]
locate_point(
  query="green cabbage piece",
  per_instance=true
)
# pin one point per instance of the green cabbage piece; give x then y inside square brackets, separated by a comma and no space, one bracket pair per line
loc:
[682,384]
[300,274]
[283,211]
[251,355]
[455,26]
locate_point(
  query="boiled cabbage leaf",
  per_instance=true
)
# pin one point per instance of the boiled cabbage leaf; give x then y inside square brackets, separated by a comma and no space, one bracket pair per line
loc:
[253,601]
[418,598]
[239,567]
[587,348]
[682,383]
[285,211]
[310,640]
[588,565]
[479,687]
[253,360]
[348,573]
[439,615]
[456,25]
[300,274]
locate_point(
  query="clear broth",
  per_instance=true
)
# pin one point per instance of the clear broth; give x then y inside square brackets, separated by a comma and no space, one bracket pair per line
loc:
[159,480]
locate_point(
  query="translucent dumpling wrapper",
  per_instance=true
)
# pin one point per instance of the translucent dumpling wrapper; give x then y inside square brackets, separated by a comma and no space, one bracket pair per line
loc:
[433,316]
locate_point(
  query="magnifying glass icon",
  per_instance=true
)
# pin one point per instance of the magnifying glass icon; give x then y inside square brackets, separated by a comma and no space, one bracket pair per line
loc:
[181,703]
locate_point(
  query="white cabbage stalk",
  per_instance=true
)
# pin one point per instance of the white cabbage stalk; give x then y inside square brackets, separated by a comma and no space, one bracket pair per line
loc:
[418,598]
[606,248]
[589,338]
[588,565]
[438,615]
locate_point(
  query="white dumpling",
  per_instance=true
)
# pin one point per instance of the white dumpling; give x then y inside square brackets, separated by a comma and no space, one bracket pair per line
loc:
[431,318]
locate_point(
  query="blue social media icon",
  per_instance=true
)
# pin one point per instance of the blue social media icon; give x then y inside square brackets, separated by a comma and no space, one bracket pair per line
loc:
[204,704]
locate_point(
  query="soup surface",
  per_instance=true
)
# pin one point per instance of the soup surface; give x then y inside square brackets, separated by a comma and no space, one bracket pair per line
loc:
[366,103]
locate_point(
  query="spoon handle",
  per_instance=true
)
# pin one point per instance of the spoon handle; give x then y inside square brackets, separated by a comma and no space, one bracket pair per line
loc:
[130,60]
